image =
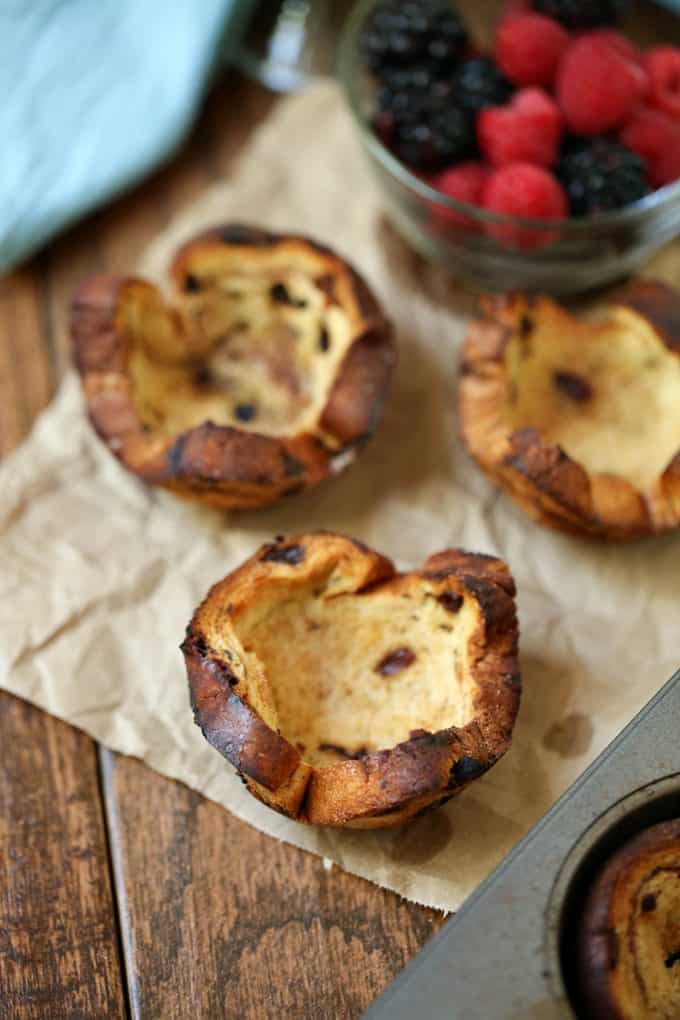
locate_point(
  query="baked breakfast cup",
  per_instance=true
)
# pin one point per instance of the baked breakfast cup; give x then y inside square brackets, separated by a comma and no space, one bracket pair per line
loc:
[628,948]
[579,420]
[262,376]
[350,695]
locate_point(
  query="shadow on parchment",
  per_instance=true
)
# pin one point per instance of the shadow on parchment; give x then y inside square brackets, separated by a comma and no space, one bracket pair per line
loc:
[477,829]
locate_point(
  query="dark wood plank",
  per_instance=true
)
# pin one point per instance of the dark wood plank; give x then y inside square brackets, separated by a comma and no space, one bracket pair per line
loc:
[59,952]
[220,921]
[58,942]
[25,376]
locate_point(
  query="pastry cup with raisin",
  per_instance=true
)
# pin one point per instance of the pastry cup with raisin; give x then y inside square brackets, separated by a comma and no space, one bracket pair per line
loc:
[263,374]
[350,695]
[579,420]
[628,945]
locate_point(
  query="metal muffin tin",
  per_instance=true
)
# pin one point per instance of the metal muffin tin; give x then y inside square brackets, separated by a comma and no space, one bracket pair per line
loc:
[506,954]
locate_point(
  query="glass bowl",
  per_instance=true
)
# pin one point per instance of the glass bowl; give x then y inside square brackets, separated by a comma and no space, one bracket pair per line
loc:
[500,252]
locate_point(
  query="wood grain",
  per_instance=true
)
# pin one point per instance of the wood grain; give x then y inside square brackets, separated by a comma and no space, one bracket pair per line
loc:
[221,921]
[58,943]
[59,955]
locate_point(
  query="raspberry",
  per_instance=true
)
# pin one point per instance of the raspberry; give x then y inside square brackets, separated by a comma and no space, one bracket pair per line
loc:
[663,68]
[464,182]
[619,42]
[528,48]
[655,136]
[597,86]
[521,189]
[528,130]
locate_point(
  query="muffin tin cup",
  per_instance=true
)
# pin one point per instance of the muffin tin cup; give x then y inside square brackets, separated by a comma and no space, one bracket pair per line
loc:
[656,802]
[508,953]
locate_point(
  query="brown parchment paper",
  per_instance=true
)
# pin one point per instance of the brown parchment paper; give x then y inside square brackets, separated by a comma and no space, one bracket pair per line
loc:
[99,575]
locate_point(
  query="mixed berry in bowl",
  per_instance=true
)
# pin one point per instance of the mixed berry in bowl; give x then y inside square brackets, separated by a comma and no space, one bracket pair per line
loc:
[565,117]
[524,143]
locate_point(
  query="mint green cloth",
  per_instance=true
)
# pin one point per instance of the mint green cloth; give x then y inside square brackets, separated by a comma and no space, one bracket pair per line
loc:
[95,93]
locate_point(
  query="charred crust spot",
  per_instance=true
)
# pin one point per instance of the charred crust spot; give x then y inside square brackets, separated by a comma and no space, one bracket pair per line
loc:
[465,770]
[439,575]
[290,554]
[175,454]
[395,661]
[425,739]
[326,284]
[361,546]
[648,903]
[513,681]
[203,376]
[573,386]
[324,339]
[199,643]
[280,295]
[292,467]
[450,602]
[245,412]
[671,960]
[526,326]
[360,752]
[612,948]
[192,284]
[239,233]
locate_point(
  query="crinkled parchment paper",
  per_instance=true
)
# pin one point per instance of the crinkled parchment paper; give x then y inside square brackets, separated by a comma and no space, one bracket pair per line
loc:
[100,575]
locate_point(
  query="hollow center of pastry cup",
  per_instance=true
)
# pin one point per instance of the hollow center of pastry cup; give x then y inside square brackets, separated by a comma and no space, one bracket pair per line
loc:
[262,351]
[353,673]
[608,395]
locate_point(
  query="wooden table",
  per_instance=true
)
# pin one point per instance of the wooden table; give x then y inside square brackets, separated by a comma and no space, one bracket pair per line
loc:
[122,893]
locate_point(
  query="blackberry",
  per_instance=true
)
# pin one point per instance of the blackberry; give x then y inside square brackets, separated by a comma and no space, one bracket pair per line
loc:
[584,13]
[418,120]
[401,34]
[600,174]
[478,83]
[428,138]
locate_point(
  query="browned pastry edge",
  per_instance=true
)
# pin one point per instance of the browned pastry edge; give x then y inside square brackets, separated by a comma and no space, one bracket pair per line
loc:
[551,487]
[609,919]
[220,465]
[382,787]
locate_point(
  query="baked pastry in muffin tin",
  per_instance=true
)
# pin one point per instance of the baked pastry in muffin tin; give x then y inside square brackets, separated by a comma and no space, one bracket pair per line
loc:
[629,937]
[263,374]
[348,694]
[579,420]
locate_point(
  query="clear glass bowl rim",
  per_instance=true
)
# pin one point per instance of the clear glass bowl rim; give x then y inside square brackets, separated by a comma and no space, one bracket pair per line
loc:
[350,70]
